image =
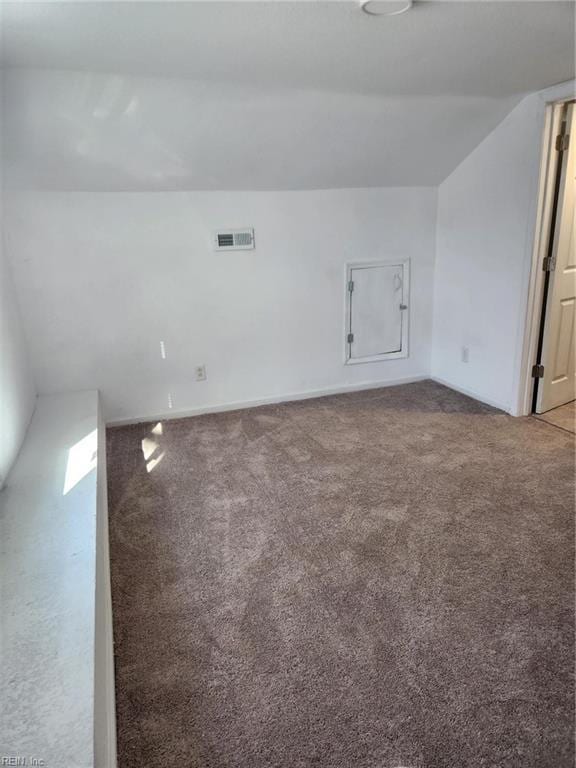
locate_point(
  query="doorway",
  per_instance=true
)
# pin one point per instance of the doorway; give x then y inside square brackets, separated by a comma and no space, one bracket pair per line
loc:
[551,375]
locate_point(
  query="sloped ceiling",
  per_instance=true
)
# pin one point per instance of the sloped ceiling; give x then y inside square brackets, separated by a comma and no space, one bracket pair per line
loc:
[265,95]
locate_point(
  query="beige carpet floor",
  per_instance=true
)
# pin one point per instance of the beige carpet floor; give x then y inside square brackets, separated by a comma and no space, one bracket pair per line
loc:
[369,580]
[563,417]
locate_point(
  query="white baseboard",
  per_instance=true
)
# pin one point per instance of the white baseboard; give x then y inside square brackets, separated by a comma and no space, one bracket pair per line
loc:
[285,398]
[104,698]
[473,395]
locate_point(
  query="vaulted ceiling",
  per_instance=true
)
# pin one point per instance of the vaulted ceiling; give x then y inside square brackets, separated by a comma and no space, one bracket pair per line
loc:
[265,95]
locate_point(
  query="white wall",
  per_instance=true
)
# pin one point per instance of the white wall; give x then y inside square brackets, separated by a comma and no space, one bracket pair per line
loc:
[485,230]
[17,390]
[103,278]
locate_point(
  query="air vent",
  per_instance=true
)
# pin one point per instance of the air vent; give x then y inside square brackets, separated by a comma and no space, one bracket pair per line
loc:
[234,240]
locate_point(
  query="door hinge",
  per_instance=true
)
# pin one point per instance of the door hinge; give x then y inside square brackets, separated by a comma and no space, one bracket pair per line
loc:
[562,142]
[537,371]
[350,285]
[548,264]
[350,338]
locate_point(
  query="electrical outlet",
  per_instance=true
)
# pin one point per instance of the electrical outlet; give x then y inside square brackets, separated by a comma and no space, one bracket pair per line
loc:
[465,354]
[200,373]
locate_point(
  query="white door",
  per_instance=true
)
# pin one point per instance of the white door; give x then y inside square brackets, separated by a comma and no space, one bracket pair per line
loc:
[377,311]
[558,384]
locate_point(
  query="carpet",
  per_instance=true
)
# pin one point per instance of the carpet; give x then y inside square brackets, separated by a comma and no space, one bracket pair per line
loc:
[370,580]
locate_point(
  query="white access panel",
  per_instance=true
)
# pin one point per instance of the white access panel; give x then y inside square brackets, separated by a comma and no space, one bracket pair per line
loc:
[377,311]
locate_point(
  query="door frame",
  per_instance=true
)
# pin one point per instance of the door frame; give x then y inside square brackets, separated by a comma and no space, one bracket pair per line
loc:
[405,263]
[552,102]
[549,393]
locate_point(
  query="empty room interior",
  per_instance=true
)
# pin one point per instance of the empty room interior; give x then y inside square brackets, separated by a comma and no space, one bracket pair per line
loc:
[287,383]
